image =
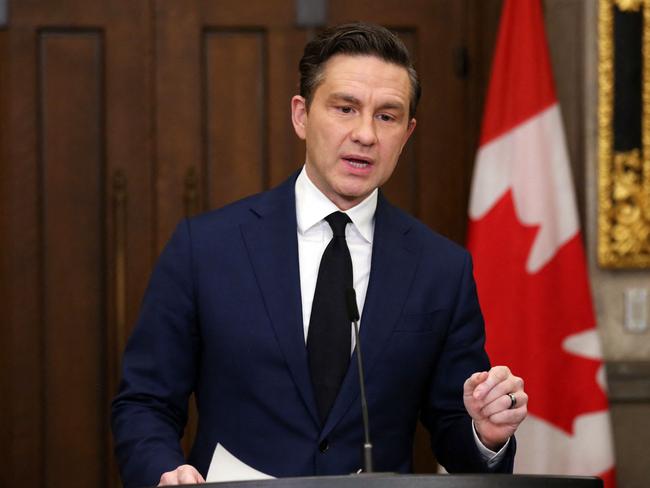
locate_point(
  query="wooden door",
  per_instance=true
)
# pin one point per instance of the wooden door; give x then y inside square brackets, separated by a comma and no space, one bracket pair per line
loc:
[226,71]
[76,240]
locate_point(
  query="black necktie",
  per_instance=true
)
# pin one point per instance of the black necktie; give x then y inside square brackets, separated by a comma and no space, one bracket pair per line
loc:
[328,339]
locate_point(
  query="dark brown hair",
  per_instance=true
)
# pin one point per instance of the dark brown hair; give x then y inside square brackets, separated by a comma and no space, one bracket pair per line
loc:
[355,39]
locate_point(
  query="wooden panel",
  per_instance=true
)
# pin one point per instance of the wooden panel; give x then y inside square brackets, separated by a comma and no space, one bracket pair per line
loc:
[178,111]
[38,431]
[286,151]
[402,187]
[194,136]
[72,217]
[567,46]
[23,312]
[482,24]
[5,286]
[61,280]
[284,43]
[233,14]
[444,159]
[235,101]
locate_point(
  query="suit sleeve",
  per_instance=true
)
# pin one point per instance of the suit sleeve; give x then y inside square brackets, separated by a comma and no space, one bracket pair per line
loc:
[444,413]
[158,370]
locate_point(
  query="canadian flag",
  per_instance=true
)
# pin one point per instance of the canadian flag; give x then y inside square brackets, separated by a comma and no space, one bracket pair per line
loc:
[529,260]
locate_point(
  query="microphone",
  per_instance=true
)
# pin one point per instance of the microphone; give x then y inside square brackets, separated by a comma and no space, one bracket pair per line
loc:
[353,314]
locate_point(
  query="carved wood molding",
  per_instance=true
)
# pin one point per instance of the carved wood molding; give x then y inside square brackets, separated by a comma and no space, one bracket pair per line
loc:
[624,134]
[629,5]
[191,193]
[119,209]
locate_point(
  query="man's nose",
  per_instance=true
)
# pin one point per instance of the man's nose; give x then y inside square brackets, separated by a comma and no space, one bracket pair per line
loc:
[364,132]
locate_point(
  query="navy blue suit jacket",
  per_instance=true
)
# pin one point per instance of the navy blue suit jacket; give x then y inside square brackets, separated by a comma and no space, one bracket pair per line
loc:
[222,318]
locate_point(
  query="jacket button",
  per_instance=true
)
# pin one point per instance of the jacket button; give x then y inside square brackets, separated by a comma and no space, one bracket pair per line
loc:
[324,445]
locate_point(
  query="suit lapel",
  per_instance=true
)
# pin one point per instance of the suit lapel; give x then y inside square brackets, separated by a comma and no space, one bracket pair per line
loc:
[394,260]
[272,245]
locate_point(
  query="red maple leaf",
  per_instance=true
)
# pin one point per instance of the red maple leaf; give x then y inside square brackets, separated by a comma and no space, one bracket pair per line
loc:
[528,316]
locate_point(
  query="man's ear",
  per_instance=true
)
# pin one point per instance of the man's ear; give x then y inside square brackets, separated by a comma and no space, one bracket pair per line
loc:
[409,130]
[299,115]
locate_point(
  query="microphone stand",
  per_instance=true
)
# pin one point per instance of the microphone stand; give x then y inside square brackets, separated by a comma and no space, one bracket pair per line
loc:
[353,312]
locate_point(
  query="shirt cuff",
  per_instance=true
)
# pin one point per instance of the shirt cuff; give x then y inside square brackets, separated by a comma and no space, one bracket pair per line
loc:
[489,456]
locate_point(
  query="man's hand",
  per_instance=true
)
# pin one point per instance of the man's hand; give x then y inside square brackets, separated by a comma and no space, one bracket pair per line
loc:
[497,403]
[183,475]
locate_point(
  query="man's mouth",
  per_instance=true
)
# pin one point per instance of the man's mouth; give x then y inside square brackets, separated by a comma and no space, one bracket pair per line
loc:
[356,162]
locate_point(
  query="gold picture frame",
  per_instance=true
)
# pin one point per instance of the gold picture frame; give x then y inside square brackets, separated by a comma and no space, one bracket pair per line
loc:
[624,169]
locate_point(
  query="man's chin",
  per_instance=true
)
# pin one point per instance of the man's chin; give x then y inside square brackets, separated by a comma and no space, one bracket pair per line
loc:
[351,197]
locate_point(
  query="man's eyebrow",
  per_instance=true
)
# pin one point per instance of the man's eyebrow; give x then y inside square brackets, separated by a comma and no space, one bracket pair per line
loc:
[392,106]
[346,97]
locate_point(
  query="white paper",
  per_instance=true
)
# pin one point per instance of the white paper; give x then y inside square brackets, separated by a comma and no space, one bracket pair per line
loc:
[226,467]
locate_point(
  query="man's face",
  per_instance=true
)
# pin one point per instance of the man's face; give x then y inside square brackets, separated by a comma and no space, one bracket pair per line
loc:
[356,126]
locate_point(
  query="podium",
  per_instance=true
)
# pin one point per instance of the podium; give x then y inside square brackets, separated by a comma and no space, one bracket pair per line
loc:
[418,481]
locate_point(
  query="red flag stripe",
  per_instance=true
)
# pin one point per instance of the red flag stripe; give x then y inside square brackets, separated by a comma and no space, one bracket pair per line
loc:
[521,84]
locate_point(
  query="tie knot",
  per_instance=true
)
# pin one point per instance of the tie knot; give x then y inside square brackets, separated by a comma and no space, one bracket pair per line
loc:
[338,221]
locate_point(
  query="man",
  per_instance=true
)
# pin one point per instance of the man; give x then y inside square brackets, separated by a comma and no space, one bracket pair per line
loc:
[238,308]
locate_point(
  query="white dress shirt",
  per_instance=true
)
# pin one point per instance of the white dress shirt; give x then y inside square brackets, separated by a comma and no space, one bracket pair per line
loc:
[314,234]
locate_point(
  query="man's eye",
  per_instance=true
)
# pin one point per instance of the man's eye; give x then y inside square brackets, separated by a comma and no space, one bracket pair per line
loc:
[346,110]
[386,117]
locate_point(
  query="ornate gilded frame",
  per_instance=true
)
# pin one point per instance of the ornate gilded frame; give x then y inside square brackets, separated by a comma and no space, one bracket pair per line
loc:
[624,175]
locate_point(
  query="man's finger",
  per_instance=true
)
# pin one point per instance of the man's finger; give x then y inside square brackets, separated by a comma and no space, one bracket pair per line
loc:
[185,474]
[188,474]
[513,384]
[187,477]
[495,376]
[509,417]
[504,402]
[168,479]
[473,381]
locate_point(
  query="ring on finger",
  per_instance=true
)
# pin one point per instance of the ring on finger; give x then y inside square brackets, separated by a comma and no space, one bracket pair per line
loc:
[513,400]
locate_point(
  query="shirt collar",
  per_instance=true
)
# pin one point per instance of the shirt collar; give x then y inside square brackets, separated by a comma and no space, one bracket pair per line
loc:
[312,206]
